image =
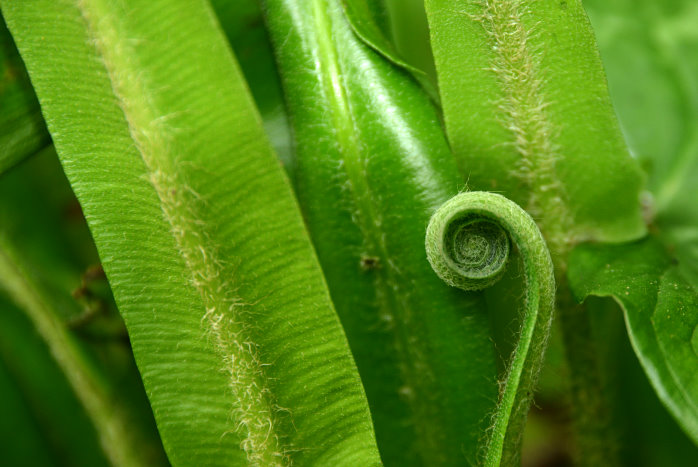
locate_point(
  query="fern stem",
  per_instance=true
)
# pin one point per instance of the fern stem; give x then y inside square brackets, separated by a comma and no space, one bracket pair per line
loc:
[467,245]
[595,441]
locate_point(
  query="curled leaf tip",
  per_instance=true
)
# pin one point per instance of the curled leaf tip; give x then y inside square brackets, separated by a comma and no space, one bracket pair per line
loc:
[466,249]
[467,243]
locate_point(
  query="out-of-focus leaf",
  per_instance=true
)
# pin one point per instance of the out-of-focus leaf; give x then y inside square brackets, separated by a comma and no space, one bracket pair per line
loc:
[45,249]
[528,114]
[42,422]
[22,129]
[243,25]
[38,210]
[372,165]
[240,350]
[410,33]
[650,51]
[661,312]
[647,434]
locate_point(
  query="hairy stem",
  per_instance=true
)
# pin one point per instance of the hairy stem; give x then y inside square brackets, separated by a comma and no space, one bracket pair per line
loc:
[467,244]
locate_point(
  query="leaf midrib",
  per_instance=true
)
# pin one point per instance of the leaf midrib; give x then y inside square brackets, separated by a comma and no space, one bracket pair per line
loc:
[253,414]
[523,109]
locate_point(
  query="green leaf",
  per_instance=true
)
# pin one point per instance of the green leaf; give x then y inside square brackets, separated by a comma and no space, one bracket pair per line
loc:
[117,438]
[528,115]
[45,247]
[647,433]
[372,165]
[22,129]
[661,313]
[43,423]
[243,25]
[240,351]
[398,30]
[370,21]
[650,51]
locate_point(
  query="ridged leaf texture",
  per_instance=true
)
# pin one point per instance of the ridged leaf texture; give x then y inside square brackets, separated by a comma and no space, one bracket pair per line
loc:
[239,348]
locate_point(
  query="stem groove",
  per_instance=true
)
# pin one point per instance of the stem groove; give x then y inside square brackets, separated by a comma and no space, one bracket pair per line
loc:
[467,244]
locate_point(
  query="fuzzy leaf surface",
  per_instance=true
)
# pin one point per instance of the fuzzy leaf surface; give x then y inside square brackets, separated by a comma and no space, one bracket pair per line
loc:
[528,115]
[239,348]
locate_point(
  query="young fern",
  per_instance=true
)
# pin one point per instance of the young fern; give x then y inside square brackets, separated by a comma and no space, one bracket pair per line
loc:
[467,244]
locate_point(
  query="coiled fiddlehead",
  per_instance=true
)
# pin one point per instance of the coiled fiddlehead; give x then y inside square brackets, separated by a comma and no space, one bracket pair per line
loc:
[467,244]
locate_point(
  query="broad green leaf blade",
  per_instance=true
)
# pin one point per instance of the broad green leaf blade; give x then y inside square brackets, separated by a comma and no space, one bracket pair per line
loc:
[372,165]
[661,313]
[241,354]
[528,115]
[650,51]
[22,129]
[243,25]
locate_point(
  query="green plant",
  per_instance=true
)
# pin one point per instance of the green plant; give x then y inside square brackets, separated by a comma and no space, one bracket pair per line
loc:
[290,314]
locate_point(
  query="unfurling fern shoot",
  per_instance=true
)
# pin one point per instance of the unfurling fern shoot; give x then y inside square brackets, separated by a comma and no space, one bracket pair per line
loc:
[467,243]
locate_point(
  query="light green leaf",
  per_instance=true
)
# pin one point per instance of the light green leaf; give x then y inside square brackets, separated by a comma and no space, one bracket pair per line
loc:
[528,115]
[650,51]
[231,325]
[22,129]
[661,313]
[372,167]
